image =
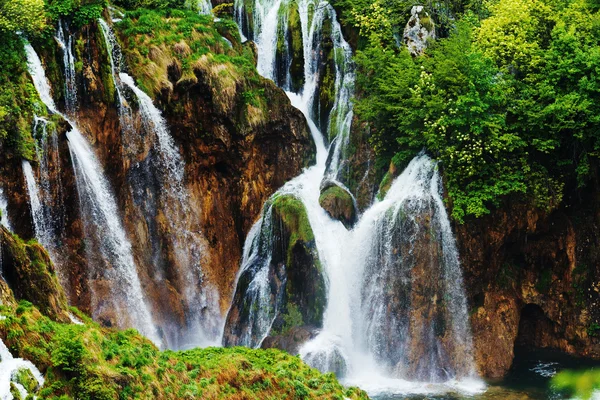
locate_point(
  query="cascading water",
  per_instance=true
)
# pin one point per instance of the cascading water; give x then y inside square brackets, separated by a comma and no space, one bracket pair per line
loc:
[45,193]
[9,367]
[110,256]
[42,230]
[66,45]
[162,171]
[203,6]
[398,263]
[4,211]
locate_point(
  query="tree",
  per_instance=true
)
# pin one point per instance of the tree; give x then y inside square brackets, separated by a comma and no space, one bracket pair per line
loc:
[22,15]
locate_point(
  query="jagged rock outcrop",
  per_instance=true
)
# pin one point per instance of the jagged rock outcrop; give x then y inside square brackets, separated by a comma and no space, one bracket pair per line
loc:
[287,266]
[419,29]
[29,272]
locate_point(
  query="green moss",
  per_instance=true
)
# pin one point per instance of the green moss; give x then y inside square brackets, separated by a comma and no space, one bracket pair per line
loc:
[91,362]
[385,185]
[19,100]
[36,280]
[26,378]
[293,213]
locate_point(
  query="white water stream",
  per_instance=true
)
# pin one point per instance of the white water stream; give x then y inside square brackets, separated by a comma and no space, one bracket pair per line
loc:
[363,338]
[109,250]
[9,367]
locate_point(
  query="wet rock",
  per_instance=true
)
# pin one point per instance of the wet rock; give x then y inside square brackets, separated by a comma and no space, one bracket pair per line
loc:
[27,269]
[292,340]
[532,281]
[296,293]
[419,29]
[338,203]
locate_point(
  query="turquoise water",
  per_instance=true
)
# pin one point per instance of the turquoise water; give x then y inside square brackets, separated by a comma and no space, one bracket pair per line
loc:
[528,379]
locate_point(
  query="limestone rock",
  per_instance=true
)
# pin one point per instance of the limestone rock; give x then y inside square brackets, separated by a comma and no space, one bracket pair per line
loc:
[419,29]
[338,203]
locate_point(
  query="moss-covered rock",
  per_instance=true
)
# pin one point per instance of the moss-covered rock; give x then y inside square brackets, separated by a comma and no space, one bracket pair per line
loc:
[296,289]
[338,203]
[26,379]
[29,272]
[305,290]
[90,362]
[388,179]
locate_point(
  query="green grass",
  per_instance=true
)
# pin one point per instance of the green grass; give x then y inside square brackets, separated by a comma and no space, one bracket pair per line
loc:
[91,362]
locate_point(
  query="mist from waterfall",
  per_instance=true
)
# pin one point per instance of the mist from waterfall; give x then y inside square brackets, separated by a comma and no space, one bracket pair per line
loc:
[369,335]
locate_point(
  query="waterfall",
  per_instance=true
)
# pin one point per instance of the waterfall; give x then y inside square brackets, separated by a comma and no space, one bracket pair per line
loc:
[66,45]
[45,191]
[204,6]
[9,367]
[4,211]
[109,252]
[163,172]
[396,319]
[40,222]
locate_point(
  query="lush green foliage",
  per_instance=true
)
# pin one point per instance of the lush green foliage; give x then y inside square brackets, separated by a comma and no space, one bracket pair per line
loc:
[18,99]
[509,104]
[161,4]
[581,384]
[21,15]
[167,48]
[90,362]
[81,12]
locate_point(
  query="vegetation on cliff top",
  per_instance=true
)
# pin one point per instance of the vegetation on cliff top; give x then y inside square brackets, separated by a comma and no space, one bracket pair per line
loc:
[174,46]
[507,100]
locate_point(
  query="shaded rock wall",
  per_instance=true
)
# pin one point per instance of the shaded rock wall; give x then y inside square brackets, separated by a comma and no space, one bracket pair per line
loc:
[533,280]
[232,167]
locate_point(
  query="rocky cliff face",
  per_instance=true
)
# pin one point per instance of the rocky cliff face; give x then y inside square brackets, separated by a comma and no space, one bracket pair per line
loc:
[232,165]
[532,280]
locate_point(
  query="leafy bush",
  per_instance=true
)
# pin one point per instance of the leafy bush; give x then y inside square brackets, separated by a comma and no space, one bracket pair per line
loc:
[507,102]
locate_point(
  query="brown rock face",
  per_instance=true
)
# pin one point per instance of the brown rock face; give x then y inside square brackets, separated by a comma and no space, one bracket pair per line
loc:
[233,163]
[338,203]
[532,280]
[27,269]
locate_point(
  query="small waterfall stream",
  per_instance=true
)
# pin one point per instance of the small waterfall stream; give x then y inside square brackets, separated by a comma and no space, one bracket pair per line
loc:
[167,169]
[4,221]
[66,45]
[9,366]
[396,319]
[109,251]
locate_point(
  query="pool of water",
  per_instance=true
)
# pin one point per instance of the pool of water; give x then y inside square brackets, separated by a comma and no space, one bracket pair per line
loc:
[528,379]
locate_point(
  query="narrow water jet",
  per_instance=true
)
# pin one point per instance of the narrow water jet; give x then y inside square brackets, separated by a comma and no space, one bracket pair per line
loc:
[66,45]
[4,221]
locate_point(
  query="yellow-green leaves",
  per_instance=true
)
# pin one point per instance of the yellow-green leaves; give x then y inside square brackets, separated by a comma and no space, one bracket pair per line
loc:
[22,15]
